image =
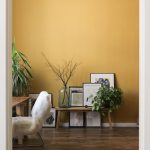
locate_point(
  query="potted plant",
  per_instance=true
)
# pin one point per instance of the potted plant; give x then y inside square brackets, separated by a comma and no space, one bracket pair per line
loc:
[20,72]
[107,100]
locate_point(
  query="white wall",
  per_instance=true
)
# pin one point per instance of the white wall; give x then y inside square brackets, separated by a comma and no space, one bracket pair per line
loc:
[5,76]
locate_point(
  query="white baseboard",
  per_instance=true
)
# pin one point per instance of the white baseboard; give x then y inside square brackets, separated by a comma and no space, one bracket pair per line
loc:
[107,125]
[65,125]
[120,124]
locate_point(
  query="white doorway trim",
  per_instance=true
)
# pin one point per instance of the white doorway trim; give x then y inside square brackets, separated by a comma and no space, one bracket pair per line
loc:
[144,134]
[5,75]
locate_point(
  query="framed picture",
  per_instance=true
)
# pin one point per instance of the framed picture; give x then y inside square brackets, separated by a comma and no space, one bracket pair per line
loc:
[103,78]
[51,121]
[76,119]
[90,90]
[76,96]
[93,119]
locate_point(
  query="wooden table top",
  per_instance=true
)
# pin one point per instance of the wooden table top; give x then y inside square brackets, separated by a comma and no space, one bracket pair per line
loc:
[18,100]
[74,109]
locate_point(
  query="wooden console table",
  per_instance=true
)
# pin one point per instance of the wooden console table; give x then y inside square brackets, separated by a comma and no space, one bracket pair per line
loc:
[19,103]
[75,109]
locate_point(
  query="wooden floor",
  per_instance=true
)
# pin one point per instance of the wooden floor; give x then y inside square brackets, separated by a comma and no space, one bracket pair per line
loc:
[88,139]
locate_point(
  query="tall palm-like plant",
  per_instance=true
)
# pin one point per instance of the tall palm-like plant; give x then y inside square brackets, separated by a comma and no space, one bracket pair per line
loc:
[20,72]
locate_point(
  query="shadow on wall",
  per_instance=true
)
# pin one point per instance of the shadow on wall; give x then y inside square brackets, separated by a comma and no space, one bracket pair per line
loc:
[129,107]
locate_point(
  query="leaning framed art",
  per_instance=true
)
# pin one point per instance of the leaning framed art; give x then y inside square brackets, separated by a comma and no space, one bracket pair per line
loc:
[51,120]
[93,119]
[103,79]
[76,119]
[76,96]
[90,90]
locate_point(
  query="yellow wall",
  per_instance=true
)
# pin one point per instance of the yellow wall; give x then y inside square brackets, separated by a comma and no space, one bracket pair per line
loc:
[100,34]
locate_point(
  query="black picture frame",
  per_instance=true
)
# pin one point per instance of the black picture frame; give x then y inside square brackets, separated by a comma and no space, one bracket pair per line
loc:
[103,78]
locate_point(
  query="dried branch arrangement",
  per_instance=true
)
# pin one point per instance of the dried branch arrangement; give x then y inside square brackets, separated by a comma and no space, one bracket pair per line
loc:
[63,72]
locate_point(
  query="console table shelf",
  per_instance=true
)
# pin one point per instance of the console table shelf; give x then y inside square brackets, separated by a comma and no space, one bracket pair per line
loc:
[76,109]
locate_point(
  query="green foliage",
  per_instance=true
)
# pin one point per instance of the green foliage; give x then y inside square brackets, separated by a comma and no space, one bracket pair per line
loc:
[107,98]
[20,72]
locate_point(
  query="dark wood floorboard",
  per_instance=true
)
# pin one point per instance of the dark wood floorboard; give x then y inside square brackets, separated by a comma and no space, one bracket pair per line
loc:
[88,139]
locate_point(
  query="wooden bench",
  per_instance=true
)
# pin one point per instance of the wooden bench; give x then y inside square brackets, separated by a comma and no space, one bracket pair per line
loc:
[75,109]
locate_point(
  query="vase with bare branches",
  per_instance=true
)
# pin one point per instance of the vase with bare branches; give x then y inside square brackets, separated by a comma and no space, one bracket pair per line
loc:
[63,73]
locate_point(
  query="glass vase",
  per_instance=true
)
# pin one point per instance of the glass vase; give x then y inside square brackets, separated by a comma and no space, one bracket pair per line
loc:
[64,97]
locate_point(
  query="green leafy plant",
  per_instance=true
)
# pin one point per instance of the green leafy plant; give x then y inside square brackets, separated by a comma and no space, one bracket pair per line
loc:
[107,99]
[20,72]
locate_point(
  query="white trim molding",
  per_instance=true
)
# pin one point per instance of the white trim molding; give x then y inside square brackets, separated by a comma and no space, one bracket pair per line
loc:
[144,87]
[120,125]
[5,75]
[141,73]
[66,125]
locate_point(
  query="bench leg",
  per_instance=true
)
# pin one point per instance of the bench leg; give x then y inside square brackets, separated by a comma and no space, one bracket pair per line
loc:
[58,119]
[109,119]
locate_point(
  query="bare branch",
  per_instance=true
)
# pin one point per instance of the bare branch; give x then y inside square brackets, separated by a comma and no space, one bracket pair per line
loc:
[64,72]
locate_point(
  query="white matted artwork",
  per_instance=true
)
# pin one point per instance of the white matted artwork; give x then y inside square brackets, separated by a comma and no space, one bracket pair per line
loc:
[90,90]
[103,78]
[76,119]
[76,96]
[51,121]
[77,99]
[93,119]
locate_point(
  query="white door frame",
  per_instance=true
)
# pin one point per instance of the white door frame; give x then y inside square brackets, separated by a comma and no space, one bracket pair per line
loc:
[5,74]
[144,86]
